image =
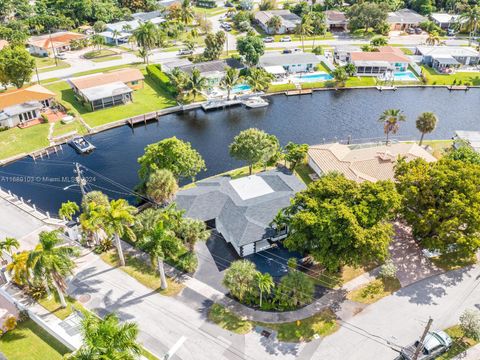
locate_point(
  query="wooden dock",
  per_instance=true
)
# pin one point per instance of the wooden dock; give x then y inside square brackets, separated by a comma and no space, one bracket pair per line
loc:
[299,92]
[458,88]
[143,118]
[46,152]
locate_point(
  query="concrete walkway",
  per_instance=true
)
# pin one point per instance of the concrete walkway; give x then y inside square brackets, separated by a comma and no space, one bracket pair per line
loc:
[471,354]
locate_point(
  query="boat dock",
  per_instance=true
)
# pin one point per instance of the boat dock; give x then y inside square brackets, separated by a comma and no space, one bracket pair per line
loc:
[299,92]
[220,104]
[46,152]
[143,118]
[458,88]
[382,88]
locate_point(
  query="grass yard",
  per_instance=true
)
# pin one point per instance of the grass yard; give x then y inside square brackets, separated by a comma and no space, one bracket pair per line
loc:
[116,67]
[150,98]
[280,88]
[303,171]
[45,64]
[460,343]
[17,141]
[452,261]
[30,342]
[374,290]
[360,81]
[210,12]
[99,53]
[62,129]
[406,51]
[52,304]
[143,273]
[107,58]
[459,78]
[227,320]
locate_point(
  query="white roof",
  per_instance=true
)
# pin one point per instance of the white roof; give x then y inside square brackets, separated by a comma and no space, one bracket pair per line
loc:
[275,69]
[109,34]
[272,59]
[104,91]
[121,24]
[446,51]
[250,187]
[21,108]
[472,137]
[444,18]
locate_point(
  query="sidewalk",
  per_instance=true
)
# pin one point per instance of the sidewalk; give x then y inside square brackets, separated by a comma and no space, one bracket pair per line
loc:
[472,353]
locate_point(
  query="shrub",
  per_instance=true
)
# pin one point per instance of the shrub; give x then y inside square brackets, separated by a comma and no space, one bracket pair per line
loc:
[470,323]
[71,113]
[388,270]
[44,118]
[10,323]
[372,289]
[161,79]
[105,245]
[317,50]
[36,292]
[188,262]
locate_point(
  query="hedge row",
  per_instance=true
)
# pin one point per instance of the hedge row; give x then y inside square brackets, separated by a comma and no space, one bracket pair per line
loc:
[161,79]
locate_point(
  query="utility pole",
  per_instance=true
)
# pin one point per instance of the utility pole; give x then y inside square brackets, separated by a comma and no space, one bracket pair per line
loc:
[424,335]
[80,180]
[53,47]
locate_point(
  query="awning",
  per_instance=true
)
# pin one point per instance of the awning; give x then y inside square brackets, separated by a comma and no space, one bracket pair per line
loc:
[445,60]
[275,69]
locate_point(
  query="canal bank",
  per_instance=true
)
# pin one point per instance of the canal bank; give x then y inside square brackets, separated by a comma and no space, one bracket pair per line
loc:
[323,116]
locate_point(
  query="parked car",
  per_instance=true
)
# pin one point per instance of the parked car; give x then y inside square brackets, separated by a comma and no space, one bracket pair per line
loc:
[285,39]
[418,30]
[226,27]
[435,344]
[268,39]
[185,52]
[61,56]
[287,51]
[410,31]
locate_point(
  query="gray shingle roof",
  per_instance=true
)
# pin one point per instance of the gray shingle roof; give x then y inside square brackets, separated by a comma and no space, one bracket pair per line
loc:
[212,66]
[239,221]
[271,59]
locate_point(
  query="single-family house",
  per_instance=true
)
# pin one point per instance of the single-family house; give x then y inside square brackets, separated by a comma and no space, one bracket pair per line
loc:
[104,90]
[336,20]
[213,71]
[443,20]
[23,106]
[446,58]
[341,53]
[242,210]
[59,42]
[363,163]
[288,21]
[403,19]
[467,138]
[292,63]
[386,59]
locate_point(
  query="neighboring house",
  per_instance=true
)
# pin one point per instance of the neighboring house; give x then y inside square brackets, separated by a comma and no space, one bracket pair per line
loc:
[104,90]
[443,58]
[341,53]
[243,209]
[404,19]
[44,45]
[361,162]
[386,59]
[293,63]
[445,21]
[214,71]
[22,106]
[289,21]
[336,20]
[3,43]
[469,138]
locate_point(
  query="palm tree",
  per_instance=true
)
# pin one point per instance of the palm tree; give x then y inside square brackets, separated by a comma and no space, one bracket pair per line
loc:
[68,209]
[91,205]
[426,123]
[159,243]
[340,76]
[191,230]
[115,35]
[161,186]
[469,19]
[51,263]
[433,38]
[8,245]
[146,37]
[188,15]
[97,41]
[390,119]
[18,268]
[231,78]
[304,29]
[108,339]
[194,85]
[265,284]
[116,220]
[275,23]
[258,79]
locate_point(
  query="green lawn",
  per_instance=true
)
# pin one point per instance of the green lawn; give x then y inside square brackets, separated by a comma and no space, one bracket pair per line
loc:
[460,78]
[61,129]
[52,304]
[281,87]
[17,141]
[374,290]
[99,53]
[61,65]
[210,12]
[30,342]
[227,320]
[460,343]
[149,98]
[360,81]
[45,64]
[107,58]
[303,171]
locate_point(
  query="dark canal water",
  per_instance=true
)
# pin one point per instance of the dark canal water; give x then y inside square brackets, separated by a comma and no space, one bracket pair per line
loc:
[307,119]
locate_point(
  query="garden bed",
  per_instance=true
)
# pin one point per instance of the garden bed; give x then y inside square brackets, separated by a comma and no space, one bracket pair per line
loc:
[460,343]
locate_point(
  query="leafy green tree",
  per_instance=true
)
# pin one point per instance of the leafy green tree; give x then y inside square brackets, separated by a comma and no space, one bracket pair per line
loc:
[173,154]
[230,80]
[91,203]
[148,218]
[275,23]
[341,222]
[187,15]
[16,65]
[18,269]
[366,15]
[350,69]
[97,41]
[214,45]
[161,186]
[463,153]
[424,7]
[470,323]
[295,154]
[240,278]
[433,38]
[391,119]
[251,48]
[51,263]
[108,339]
[295,289]
[470,18]
[258,79]
[340,76]
[441,202]
[426,123]
[265,284]
[190,231]
[267,5]
[68,209]
[300,8]
[379,41]
[252,146]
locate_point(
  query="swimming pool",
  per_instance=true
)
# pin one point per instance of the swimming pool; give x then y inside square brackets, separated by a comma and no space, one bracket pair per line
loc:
[240,88]
[313,77]
[404,76]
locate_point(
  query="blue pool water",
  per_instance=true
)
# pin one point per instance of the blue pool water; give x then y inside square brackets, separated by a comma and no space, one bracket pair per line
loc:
[314,77]
[404,76]
[240,88]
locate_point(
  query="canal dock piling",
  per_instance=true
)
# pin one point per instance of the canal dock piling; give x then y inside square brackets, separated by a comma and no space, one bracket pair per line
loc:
[46,152]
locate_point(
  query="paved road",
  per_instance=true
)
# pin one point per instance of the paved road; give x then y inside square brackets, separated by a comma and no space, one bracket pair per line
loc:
[400,318]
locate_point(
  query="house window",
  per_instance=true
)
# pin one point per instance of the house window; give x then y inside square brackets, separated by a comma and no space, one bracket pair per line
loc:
[134,82]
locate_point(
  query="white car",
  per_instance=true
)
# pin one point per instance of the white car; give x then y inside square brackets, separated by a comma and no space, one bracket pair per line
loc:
[285,39]
[61,56]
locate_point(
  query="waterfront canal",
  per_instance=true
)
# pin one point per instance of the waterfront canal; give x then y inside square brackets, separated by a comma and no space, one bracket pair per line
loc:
[306,119]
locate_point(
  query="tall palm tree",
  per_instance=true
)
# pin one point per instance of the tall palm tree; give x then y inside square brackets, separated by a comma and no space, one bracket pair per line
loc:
[304,29]
[108,339]
[51,263]
[231,78]
[194,85]
[275,23]
[97,41]
[161,186]
[340,76]
[469,19]
[8,245]
[191,231]
[159,243]
[115,36]
[68,209]
[188,15]
[426,123]
[116,220]
[258,79]
[18,268]
[265,284]
[319,27]
[390,119]
[146,38]
[433,38]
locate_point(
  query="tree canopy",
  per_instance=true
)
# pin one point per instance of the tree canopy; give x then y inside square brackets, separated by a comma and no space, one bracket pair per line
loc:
[251,48]
[16,66]
[366,15]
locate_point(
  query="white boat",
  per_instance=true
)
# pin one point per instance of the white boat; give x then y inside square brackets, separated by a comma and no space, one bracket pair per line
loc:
[255,102]
[81,145]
